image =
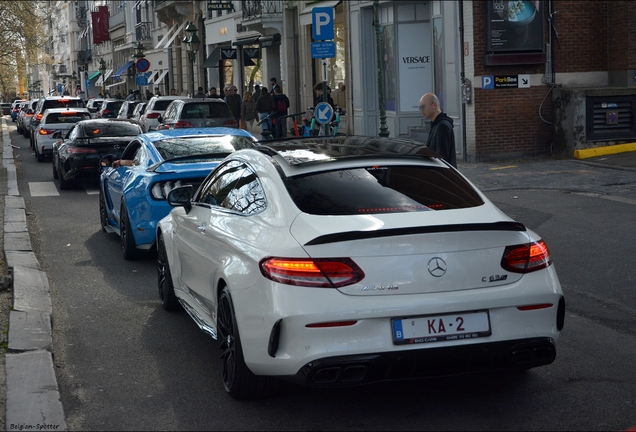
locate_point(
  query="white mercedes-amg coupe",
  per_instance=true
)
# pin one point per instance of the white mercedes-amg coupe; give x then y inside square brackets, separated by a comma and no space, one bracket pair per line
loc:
[346,260]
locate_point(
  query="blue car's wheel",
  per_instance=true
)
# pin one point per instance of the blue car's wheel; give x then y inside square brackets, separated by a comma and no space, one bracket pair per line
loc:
[103,219]
[128,246]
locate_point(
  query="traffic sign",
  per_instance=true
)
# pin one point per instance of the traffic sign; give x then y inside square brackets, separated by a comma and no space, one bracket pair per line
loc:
[322,19]
[323,49]
[143,64]
[325,69]
[141,80]
[323,112]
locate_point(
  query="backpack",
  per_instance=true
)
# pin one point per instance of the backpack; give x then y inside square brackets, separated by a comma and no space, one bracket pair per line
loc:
[281,106]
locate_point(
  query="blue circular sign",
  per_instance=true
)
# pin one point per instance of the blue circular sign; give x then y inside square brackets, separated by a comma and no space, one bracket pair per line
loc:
[323,113]
[143,64]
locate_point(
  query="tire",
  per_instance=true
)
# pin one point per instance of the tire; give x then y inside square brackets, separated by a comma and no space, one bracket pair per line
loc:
[168,298]
[128,246]
[39,156]
[27,133]
[64,184]
[238,380]
[103,219]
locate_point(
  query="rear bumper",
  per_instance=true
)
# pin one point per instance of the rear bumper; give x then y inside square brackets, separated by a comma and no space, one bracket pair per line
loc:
[512,355]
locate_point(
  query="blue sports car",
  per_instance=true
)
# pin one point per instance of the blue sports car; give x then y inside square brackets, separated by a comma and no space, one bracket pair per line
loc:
[133,191]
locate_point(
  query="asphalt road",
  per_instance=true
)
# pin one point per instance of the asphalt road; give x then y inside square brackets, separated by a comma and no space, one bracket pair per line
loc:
[124,363]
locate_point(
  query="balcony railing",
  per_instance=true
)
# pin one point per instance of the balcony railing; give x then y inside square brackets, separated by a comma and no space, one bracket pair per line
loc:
[142,31]
[255,9]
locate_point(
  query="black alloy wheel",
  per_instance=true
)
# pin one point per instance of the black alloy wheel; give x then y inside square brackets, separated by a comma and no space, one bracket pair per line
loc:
[239,381]
[103,219]
[64,184]
[168,298]
[128,246]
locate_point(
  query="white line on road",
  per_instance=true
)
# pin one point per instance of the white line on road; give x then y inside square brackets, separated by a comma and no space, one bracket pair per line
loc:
[41,189]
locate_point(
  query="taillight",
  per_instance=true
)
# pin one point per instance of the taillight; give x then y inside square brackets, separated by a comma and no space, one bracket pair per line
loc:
[331,324]
[152,115]
[39,117]
[183,124]
[230,123]
[81,150]
[526,258]
[160,191]
[316,273]
[105,112]
[46,131]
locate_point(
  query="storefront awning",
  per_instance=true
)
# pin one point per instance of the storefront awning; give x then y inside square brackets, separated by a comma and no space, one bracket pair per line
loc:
[113,85]
[305,15]
[249,41]
[152,77]
[123,69]
[213,59]
[105,77]
[163,74]
[167,44]
[93,75]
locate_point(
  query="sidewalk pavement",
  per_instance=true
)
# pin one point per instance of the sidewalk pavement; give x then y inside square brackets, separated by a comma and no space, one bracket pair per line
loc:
[32,396]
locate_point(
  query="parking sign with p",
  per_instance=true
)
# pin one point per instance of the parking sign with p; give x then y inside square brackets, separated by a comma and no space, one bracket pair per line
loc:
[322,23]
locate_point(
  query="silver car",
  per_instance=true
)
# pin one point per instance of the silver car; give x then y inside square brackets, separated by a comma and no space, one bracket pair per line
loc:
[55,120]
[197,113]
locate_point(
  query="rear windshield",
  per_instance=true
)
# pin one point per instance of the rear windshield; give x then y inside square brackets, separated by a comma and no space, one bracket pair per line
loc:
[161,105]
[185,147]
[114,106]
[378,189]
[114,129]
[131,107]
[63,103]
[205,110]
[67,117]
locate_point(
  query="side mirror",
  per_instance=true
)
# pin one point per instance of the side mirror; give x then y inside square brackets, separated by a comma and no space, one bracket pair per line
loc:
[160,118]
[181,196]
[29,111]
[106,161]
[57,135]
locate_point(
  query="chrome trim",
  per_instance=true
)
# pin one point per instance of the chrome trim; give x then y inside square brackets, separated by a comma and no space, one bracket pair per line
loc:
[198,319]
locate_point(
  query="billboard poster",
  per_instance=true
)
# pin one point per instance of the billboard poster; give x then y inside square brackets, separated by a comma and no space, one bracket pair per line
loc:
[415,59]
[514,25]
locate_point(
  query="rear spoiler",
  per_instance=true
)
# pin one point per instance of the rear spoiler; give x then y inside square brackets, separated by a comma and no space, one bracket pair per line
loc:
[361,235]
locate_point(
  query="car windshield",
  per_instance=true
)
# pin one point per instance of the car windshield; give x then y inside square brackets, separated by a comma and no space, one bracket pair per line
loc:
[205,110]
[161,105]
[172,148]
[110,129]
[381,189]
[66,117]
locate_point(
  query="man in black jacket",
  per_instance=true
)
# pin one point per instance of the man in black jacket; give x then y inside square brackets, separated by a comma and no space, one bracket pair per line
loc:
[441,138]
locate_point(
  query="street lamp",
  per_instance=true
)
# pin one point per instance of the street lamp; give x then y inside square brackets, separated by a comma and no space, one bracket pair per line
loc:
[192,46]
[139,54]
[384,130]
[102,69]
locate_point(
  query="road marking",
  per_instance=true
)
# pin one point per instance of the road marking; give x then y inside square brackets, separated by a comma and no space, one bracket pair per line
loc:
[41,189]
[503,167]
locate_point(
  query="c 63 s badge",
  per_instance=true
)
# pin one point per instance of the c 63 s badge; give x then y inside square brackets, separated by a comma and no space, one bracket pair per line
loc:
[379,288]
[494,278]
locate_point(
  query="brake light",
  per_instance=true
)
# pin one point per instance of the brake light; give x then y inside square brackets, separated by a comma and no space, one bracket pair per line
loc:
[39,116]
[535,306]
[183,124]
[46,131]
[160,191]
[316,273]
[62,100]
[526,258]
[153,115]
[105,112]
[230,123]
[69,113]
[81,150]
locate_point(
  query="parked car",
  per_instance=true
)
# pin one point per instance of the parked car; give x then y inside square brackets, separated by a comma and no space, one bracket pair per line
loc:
[22,107]
[140,108]
[94,105]
[341,261]
[15,108]
[6,108]
[24,119]
[156,106]
[133,198]
[187,113]
[110,108]
[127,109]
[48,102]
[77,155]
[55,120]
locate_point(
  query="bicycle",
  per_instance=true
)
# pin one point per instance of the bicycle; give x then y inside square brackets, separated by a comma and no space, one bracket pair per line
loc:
[309,125]
[294,130]
[334,125]
[268,132]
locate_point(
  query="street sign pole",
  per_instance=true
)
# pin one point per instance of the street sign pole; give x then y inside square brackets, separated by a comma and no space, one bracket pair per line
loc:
[323,128]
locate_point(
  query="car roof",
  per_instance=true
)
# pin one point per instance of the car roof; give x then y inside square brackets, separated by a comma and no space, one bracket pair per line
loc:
[298,155]
[200,100]
[195,132]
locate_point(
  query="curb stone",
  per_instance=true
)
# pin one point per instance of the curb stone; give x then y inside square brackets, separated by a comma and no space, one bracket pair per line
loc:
[32,394]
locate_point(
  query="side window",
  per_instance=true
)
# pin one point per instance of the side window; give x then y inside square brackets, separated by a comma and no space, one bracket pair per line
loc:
[247,196]
[140,155]
[131,150]
[73,133]
[217,188]
[169,114]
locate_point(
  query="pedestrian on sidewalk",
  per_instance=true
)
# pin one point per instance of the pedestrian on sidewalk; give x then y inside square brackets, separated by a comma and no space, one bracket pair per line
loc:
[233,100]
[282,105]
[248,111]
[264,106]
[441,138]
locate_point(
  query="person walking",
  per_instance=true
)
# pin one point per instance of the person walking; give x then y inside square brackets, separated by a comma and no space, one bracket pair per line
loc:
[319,95]
[199,94]
[213,94]
[257,92]
[264,106]
[248,111]
[441,138]
[282,105]
[274,84]
[131,95]
[233,100]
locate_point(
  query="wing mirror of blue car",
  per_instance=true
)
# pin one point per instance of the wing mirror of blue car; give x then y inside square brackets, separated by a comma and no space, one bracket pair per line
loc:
[181,196]
[106,161]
